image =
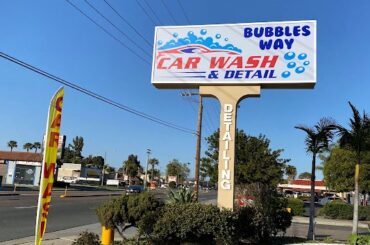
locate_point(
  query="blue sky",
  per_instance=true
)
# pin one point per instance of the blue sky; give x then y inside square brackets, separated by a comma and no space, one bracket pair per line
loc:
[55,37]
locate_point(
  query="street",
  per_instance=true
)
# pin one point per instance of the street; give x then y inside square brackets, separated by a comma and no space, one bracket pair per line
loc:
[18,213]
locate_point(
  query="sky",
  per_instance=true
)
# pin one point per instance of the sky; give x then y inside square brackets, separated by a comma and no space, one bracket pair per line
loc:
[55,37]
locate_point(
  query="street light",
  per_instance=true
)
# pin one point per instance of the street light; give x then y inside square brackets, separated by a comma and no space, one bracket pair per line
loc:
[148,151]
[199,132]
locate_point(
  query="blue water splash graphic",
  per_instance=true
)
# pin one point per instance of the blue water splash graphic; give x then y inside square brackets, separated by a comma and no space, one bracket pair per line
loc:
[300,62]
[285,74]
[191,38]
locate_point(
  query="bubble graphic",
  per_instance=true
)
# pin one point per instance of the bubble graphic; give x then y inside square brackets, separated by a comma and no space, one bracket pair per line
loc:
[160,42]
[306,63]
[190,33]
[289,55]
[299,69]
[175,35]
[302,56]
[285,74]
[218,36]
[291,64]
[203,31]
[226,39]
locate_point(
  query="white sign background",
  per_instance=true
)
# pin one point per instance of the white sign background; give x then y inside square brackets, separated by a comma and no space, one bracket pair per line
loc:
[183,55]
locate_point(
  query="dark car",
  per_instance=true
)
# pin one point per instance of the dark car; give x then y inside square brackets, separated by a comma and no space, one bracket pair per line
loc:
[134,189]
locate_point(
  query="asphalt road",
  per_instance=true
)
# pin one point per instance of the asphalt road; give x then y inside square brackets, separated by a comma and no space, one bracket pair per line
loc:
[18,213]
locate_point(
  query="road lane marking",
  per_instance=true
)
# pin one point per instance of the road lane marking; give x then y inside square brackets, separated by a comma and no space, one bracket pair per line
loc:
[26,207]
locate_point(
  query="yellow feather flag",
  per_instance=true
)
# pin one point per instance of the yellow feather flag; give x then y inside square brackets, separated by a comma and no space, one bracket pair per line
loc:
[49,163]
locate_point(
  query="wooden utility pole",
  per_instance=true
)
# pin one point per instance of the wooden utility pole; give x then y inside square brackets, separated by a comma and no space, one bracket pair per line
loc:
[197,156]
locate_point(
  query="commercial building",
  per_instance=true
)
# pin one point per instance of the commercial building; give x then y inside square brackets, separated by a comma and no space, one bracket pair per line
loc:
[302,186]
[21,168]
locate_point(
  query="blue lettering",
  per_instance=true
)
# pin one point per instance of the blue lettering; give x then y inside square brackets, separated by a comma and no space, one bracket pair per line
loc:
[289,43]
[239,74]
[257,74]
[278,44]
[269,32]
[260,33]
[229,74]
[296,31]
[265,44]
[248,32]
[279,31]
[306,30]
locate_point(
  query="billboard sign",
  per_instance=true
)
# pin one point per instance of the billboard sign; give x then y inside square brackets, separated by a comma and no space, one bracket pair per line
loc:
[270,54]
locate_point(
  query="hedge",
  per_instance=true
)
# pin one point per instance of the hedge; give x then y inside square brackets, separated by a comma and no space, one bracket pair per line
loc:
[297,206]
[340,210]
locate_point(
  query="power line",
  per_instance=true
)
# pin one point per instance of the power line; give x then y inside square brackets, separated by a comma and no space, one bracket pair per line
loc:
[152,10]
[108,33]
[95,95]
[183,10]
[146,13]
[129,24]
[170,13]
[118,29]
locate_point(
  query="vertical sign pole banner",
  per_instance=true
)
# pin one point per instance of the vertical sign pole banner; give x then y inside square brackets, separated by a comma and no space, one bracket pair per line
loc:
[229,97]
[49,163]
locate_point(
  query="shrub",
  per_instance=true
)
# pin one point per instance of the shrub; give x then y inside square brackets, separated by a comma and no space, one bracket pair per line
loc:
[364,213]
[359,239]
[113,213]
[337,210]
[172,184]
[304,198]
[296,205]
[87,238]
[182,195]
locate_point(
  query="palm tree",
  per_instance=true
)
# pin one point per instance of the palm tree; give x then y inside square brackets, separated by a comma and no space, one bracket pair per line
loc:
[27,146]
[36,145]
[12,144]
[291,172]
[317,141]
[357,139]
[153,162]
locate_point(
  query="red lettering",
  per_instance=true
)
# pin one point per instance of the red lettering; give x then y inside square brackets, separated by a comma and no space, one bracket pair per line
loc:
[47,191]
[42,230]
[266,60]
[237,62]
[218,62]
[58,104]
[56,122]
[54,138]
[160,63]
[253,62]
[177,64]
[192,63]
[50,170]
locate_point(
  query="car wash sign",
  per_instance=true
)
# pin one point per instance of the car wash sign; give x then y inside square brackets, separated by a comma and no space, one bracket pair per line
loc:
[270,54]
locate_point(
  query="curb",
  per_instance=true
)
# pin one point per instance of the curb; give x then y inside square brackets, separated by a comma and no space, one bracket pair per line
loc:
[94,195]
[9,194]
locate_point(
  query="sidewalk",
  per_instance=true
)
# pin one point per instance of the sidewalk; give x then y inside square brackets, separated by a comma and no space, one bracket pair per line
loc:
[332,222]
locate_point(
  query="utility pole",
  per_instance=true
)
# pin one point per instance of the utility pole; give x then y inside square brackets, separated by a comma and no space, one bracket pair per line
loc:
[198,146]
[103,170]
[148,151]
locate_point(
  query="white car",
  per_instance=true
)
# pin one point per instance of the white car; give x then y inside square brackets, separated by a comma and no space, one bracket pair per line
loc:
[328,199]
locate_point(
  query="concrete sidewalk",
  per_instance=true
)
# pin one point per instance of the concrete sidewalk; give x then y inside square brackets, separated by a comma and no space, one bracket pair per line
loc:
[66,237]
[331,222]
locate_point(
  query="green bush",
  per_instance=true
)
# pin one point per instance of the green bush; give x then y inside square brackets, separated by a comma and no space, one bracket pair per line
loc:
[337,210]
[182,195]
[296,205]
[359,239]
[304,198]
[364,213]
[172,185]
[113,212]
[87,238]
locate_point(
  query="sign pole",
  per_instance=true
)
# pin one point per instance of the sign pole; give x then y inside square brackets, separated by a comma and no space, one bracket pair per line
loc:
[229,97]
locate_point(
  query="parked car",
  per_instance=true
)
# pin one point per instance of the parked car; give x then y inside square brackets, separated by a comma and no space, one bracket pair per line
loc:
[134,189]
[329,199]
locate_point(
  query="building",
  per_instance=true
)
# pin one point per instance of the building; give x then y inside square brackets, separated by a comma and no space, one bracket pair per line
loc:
[76,173]
[301,186]
[21,168]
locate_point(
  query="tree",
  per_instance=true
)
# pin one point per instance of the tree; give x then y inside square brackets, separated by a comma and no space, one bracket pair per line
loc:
[356,139]
[95,161]
[131,167]
[153,162]
[317,141]
[304,175]
[76,147]
[339,170]
[36,145]
[12,144]
[27,146]
[155,173]
[291,172]
[178,169]
[255,161]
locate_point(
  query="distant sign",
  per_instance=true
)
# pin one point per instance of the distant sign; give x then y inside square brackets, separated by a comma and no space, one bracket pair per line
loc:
[270,54]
